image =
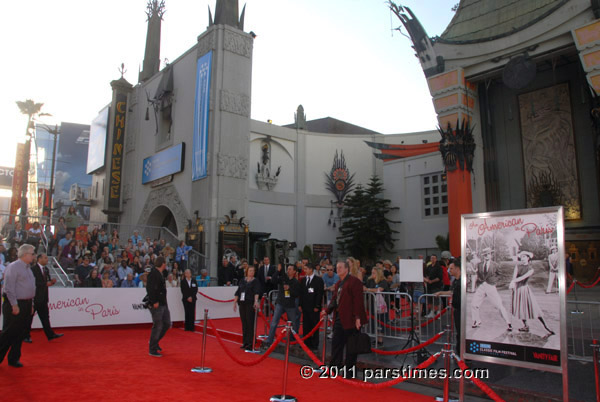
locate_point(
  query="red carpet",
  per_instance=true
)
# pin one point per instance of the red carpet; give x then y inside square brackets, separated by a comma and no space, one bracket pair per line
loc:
[112,364]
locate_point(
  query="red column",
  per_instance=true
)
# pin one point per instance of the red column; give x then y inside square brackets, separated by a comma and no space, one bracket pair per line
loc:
[460,201]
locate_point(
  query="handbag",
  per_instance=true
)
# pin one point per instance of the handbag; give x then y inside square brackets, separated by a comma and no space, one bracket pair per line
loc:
[358,343]
[380,302]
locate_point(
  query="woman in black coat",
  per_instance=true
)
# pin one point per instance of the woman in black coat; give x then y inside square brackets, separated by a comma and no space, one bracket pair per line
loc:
[246,297]
[189,293]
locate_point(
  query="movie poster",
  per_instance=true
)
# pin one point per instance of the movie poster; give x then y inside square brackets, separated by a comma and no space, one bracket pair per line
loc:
[512,288]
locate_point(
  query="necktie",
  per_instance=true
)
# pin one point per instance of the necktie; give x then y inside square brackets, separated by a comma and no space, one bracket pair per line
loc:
[266,271]
[308,281]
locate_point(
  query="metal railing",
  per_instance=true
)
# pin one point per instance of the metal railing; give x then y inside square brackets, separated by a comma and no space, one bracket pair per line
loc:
[428,327]
[58,271]
[583,325]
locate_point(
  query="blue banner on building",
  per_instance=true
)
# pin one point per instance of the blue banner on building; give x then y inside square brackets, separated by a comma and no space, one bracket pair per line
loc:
[202,107]
[164,163]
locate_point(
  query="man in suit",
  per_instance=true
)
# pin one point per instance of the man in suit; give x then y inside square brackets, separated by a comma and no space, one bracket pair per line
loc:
[40,301]
[350,315]
[225,273]
[311,301]
[189,293]
[265,275]
[156,290]
[487,278]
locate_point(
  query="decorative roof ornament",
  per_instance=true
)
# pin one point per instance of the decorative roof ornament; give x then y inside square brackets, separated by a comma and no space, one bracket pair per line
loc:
[422,44]
[155,8]
[457,146]
[226,13]
[264,178]
[339,180]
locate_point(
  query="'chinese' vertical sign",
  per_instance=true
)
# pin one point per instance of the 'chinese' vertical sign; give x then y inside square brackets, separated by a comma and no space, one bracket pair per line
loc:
[116,152]
[17,182]
[201,111]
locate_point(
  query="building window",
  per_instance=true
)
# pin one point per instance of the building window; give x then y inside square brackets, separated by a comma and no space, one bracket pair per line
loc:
[435,197]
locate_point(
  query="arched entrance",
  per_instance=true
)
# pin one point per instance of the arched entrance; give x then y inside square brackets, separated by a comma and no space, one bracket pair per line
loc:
[163,217]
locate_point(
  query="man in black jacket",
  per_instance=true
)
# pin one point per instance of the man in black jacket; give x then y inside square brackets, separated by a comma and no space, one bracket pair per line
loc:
[311,302]
[287,294]
[40,301]
[157,300]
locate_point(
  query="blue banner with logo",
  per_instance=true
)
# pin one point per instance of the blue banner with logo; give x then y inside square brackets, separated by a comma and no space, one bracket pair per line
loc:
[164,163]
[201,110]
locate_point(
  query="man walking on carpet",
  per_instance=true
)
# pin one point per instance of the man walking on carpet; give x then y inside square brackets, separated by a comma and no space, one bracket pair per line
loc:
[156,289]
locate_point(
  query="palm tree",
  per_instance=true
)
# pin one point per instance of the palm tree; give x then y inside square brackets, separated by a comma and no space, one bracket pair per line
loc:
[31,109]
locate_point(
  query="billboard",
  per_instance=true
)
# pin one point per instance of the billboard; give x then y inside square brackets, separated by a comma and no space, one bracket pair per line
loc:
[116,152]
[6,177]
[201,112]
[513,288]
[164,163]
[97,145]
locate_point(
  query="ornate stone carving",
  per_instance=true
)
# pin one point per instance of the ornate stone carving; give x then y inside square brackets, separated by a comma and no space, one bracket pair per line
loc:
[169,197]
[132,124]
[206,43]
[264,178]
[235,103]
[238,44]
[232,166]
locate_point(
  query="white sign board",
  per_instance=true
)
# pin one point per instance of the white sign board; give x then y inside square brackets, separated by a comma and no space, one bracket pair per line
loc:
[80,307]
[411,271]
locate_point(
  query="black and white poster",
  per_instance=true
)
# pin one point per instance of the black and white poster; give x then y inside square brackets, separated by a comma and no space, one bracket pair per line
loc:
[513,288]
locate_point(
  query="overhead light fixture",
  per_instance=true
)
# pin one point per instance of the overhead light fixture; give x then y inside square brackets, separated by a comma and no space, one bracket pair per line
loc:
[252,34]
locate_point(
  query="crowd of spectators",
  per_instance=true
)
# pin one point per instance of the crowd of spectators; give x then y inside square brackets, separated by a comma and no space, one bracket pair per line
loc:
[97,258]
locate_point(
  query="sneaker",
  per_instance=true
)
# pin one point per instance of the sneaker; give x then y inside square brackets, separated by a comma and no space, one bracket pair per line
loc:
[155,354]
[330,335]
[431,314]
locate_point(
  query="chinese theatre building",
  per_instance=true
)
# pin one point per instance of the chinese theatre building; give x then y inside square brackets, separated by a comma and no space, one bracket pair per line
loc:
[515,86]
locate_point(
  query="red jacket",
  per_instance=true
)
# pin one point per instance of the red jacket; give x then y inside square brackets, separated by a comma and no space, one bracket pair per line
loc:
[351,305]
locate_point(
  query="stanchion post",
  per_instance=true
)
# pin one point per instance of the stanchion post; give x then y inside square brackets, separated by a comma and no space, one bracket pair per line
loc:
[325,326]
[595,347]
[283,397]
[254,333]
[202,369]
[265,306]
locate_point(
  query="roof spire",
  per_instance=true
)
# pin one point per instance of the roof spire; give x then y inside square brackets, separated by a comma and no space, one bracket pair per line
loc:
[155,10]
[227,13]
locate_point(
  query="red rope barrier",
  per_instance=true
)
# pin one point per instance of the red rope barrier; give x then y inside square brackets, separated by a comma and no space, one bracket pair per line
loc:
[361,384]
[234,358]
[482,386]
[216,300]
[405,351]
[588,285]
[422,325]
[311,333]
[571,287]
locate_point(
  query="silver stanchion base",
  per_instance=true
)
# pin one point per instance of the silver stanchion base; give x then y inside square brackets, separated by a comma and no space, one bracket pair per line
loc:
[262,336]
[201,370]
[283,398]
[257,351]
[450,399]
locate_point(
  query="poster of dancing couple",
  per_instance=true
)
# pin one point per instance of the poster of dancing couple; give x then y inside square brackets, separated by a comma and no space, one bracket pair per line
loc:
[513,288]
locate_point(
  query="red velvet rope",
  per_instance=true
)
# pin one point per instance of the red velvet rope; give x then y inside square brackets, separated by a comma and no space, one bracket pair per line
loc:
[406,329]
[216,300]
[409,350]
[311,333]
[361,384]
[571,287]
[234,358]
[588,285]
[482,386]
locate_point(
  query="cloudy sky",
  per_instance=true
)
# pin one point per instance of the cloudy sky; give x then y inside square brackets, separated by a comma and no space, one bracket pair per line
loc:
[337,58]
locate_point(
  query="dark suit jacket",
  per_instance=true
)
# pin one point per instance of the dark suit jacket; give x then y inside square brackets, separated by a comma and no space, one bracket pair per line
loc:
[41,284]
[187,291]
[351,305]
[310,300]
[266,286]
[491,276]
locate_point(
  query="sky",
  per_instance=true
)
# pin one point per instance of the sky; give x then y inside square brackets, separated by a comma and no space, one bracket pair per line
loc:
[338,58]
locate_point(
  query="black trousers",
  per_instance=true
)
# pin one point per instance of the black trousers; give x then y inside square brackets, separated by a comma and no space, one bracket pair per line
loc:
[247,317]
[456,314]
[190,314]
[14,330]
[338,344]
[310,318]
[44,314]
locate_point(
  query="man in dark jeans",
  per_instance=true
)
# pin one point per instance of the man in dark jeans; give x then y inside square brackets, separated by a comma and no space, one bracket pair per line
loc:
[157,300]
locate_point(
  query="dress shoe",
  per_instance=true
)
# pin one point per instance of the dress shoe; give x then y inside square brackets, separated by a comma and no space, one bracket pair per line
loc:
[476,324]
[159,348]
[155,354]
[55,336]
[28,340]
[16,365]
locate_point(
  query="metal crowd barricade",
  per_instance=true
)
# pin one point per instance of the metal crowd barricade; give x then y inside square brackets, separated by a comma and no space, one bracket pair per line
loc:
[433,305]
[389,315]
[583,326]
